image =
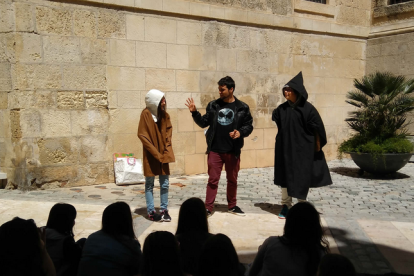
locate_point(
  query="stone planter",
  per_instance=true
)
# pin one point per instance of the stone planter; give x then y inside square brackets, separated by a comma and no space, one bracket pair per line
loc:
[385,164]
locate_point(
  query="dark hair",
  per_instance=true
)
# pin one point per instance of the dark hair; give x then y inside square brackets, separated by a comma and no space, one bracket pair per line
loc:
[303,229]
[61,218]
[117,220]
[20,252]
[219,258]
[227,81]
[192,217]
[336,265]
[161,246]
[161,113]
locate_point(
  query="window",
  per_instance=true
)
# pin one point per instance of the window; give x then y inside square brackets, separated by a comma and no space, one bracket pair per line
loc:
[318,1]
[398,1]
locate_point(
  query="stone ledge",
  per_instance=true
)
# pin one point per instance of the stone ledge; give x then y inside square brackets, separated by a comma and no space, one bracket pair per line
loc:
[391,29]
[3,175]
[236,15]
[393,9]
[314,8]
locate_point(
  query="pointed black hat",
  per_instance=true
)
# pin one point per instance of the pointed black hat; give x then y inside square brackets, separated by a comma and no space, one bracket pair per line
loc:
[297,84]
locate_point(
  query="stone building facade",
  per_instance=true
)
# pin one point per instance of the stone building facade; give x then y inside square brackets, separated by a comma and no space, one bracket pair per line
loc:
[73,74]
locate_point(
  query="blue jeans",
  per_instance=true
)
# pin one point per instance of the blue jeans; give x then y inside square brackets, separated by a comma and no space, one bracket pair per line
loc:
[149,186]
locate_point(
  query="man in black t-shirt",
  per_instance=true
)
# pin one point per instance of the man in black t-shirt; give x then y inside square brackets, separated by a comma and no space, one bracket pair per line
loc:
[229,121]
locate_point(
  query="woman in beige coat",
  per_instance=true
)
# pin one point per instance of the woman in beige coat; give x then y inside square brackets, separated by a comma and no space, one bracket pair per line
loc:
[155,132]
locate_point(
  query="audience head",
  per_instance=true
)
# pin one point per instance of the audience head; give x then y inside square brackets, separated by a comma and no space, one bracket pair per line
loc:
[303,229]
[303,225]
[192,217]
[20,248]
[336,265]
[62,218]
[219,257]
[117,220]
[161,246]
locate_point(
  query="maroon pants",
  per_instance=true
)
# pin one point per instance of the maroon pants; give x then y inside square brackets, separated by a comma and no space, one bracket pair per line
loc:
[215,165]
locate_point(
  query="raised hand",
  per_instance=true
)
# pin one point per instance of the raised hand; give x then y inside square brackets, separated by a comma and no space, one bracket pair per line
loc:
[191,105]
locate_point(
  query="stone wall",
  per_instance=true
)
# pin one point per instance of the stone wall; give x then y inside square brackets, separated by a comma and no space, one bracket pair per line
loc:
[73,79]
[390,46]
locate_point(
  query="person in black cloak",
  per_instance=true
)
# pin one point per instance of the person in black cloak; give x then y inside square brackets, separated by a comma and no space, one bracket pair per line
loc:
[299,160]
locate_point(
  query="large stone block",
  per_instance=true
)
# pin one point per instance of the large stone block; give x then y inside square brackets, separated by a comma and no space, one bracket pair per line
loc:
[70,100]
[253,61]
[84,77]
[268,100]
[262,118]
[162,79]
[7,23]
[90,174]
[61,49]
[150,54]
[93,149]
[28,47]
[125,78]
[177,56]
[188,81]
[5,123]
[111,24]
[48,174]
[255,140]
[121,52]
[202,58]
[188,33]
[260,83]
[177,99]
[215,34]
[239,38]
[248,159]
[269,137]
[5,77]
[129,99]
[226,60]
[124,120]
[185,121]
[176,6]
[135,27]
[53,21]
[58,151]
[160,30]
[265,158]
[201,144]
[96,99]
[194,164]
[89,122]
[4,100]
[32,99]
[93,50]
[199,9]
[56,123]
[7,51]
[126,143]
[184,143]
[208,81]
[178,167]
[84,23]
[23,17]
[30,122]
[36,76]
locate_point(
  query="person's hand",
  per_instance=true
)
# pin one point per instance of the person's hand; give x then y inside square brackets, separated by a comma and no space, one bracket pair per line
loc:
[235,134]
[191,105]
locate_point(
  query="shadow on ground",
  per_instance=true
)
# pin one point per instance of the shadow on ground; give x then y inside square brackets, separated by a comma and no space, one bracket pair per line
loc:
[369,259]
[356,173]
[268,207]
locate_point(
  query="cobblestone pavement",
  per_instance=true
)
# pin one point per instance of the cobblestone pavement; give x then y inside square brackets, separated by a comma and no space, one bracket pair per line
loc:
[370,219]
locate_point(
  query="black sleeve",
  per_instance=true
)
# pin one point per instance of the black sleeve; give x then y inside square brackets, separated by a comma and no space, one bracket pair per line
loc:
[202,121]
[247,126]
[315,124]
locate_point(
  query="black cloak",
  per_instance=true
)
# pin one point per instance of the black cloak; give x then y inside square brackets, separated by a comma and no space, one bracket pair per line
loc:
[297,166]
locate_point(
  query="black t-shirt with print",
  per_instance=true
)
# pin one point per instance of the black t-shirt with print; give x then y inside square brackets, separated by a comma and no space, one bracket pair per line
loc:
[222,142]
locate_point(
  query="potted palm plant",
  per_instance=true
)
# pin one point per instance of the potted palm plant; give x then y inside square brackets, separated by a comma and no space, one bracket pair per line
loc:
[379,144]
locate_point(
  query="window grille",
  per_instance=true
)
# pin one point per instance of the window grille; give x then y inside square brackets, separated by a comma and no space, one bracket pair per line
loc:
[392,2]
[318,1]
